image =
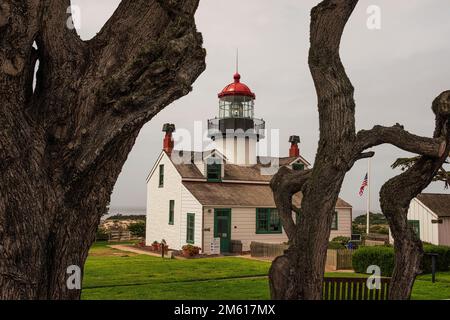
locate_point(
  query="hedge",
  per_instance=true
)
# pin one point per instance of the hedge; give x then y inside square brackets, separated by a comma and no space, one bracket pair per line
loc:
[384,258]
[379,256]
[442,261]
[335,245]
[137,229]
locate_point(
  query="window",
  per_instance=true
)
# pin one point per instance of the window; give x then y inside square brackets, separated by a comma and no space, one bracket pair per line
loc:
[298,166]
[171,211]
[214,172]
[190,228]
[415,224]
[334,222]
[161,175]
[267,221]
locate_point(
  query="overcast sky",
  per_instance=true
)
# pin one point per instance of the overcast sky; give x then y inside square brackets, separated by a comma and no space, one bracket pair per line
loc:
[397,71]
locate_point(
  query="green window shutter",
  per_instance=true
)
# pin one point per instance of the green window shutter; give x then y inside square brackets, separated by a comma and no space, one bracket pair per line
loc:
[267,221]
[171,211]
[415,224]
[190,228]
[161,175]
[298,166]
[214,172]
[335,222]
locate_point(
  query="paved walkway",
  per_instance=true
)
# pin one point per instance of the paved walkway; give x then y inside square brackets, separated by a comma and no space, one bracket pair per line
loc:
[134,250]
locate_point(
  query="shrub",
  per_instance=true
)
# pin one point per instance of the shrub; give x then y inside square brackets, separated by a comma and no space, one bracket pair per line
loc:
[101,235]
[137,229]
[383,256]
[140,244]
[380,229]
[379,256]
[191,250]
[335,245]
[341,239]
[442,261]
[155,245]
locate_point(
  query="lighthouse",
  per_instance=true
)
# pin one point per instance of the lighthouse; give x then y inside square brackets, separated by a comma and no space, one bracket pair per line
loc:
[236,131]
[219,199]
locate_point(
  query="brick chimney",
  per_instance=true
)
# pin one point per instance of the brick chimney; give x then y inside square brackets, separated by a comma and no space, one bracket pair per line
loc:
[294,151]
[168,128]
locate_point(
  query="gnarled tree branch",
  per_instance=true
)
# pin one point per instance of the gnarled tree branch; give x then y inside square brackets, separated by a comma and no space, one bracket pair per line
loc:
[298,274]
[285,184]
[62,146]
[397,136]
[396,195]
[146,73]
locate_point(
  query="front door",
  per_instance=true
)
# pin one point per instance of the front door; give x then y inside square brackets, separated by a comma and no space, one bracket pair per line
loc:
[222,228]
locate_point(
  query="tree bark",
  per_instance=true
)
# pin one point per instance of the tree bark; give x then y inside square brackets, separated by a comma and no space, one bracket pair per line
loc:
[63,144]
[307,253]
[298,274]
[395,197]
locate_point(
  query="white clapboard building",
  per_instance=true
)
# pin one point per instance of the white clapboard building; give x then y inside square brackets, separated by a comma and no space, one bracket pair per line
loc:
[208,199]
[429,216]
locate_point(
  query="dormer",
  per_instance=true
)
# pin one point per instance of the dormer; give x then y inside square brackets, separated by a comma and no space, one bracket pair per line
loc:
[214,166]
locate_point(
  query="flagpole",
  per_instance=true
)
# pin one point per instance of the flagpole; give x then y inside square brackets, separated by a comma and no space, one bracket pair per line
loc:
[368,198]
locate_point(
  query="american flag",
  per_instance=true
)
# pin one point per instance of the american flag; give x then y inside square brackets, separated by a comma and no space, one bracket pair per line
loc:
[363,185]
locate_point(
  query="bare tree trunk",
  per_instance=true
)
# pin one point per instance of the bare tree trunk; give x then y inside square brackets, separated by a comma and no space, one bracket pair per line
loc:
[307,253]
[395,197]
[62,145]
[298,274]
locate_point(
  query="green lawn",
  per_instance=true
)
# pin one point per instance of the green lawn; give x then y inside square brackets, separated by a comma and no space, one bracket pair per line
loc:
[114,274]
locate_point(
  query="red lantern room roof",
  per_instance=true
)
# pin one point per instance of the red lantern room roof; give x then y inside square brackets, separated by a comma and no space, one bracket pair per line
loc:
[237,88]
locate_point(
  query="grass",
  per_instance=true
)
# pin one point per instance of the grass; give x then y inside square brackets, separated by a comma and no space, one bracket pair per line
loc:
[114,274]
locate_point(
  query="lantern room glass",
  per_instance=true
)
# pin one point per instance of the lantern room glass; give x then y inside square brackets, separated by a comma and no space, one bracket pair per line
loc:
[236,107]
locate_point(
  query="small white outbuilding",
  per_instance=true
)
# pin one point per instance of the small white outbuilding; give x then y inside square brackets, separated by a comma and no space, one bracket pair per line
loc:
[429,215]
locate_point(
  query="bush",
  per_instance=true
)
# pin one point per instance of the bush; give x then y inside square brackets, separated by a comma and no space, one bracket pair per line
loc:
[335,245]
[380,229]
[101,235]
[137,229]
[442,261]
[383,256]
[343,240]
[190,250]
[379,256]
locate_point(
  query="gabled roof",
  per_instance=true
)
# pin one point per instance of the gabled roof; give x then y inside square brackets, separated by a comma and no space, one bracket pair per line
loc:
[184,162]
[239,194]
[245,173]
[161,154]
[439,203]
[231,194]
[189,171]
[283,161]
[195,156]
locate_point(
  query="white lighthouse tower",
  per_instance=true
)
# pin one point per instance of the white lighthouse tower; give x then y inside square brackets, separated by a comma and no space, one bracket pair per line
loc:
[236,132]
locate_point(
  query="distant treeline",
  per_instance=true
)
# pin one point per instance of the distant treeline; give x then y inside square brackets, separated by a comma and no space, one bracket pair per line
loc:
[378,224]
[375,218]
[126,217]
